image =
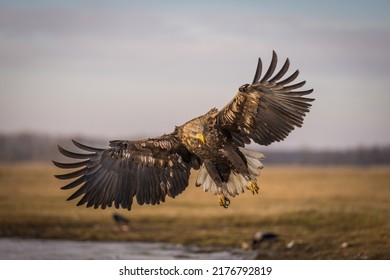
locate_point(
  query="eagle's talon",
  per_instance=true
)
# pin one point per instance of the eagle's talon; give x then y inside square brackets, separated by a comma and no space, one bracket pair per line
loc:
[224,201]
[252,186]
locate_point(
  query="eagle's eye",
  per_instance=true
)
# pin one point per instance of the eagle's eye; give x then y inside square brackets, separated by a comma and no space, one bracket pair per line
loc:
[243,87]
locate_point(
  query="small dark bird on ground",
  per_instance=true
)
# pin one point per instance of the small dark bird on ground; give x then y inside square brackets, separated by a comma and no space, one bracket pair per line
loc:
[261,237]
[119,219]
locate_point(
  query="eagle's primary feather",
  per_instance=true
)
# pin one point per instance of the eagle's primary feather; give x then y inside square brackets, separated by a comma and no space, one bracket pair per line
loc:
[265,111]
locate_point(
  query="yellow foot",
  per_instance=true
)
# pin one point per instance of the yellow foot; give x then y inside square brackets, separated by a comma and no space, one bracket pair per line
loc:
[252,186]
[224,201]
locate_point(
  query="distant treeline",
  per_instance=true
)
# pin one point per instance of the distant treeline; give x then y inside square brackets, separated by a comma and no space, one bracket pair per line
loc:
[27,147]
[357,156]
[40,148]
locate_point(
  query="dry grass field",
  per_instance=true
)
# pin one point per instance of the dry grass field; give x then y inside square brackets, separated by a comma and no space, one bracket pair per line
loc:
[317,212]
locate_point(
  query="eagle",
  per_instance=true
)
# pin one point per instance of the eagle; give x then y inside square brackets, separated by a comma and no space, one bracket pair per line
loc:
[265,111]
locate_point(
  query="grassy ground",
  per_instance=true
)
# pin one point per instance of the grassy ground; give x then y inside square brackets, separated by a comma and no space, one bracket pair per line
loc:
[318,213]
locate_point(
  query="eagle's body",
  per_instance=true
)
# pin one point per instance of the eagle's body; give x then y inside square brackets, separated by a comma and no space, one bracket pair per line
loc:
[225,170]
[149,169]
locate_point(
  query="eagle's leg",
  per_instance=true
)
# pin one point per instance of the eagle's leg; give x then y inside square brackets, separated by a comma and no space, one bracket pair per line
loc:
[236,157]
[216,177]
[224,201]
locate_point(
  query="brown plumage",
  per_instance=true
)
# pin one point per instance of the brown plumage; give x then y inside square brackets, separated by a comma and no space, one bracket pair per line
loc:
[265,111]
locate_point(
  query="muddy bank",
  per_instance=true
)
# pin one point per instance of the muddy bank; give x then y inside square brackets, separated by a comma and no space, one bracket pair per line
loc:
[41,249]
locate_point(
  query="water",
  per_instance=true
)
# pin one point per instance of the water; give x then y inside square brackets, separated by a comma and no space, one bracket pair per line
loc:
[42,249]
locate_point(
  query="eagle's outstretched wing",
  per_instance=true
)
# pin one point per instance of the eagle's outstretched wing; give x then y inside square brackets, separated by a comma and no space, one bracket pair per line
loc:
[268,109]
[147,169]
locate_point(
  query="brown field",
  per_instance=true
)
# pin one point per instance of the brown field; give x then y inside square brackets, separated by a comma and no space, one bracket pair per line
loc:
[318,213]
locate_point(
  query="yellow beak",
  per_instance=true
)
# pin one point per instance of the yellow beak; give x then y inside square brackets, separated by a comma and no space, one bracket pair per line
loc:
[200,137]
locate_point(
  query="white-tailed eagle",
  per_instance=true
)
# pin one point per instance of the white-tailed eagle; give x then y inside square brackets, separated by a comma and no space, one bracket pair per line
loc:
[264,111]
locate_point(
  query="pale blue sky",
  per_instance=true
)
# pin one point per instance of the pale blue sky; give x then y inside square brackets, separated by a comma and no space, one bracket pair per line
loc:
[119,69]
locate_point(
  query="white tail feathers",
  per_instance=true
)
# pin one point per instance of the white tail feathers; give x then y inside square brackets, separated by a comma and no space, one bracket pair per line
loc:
[236,183]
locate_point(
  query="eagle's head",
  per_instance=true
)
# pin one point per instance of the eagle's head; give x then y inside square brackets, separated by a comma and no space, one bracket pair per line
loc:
[193,133]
